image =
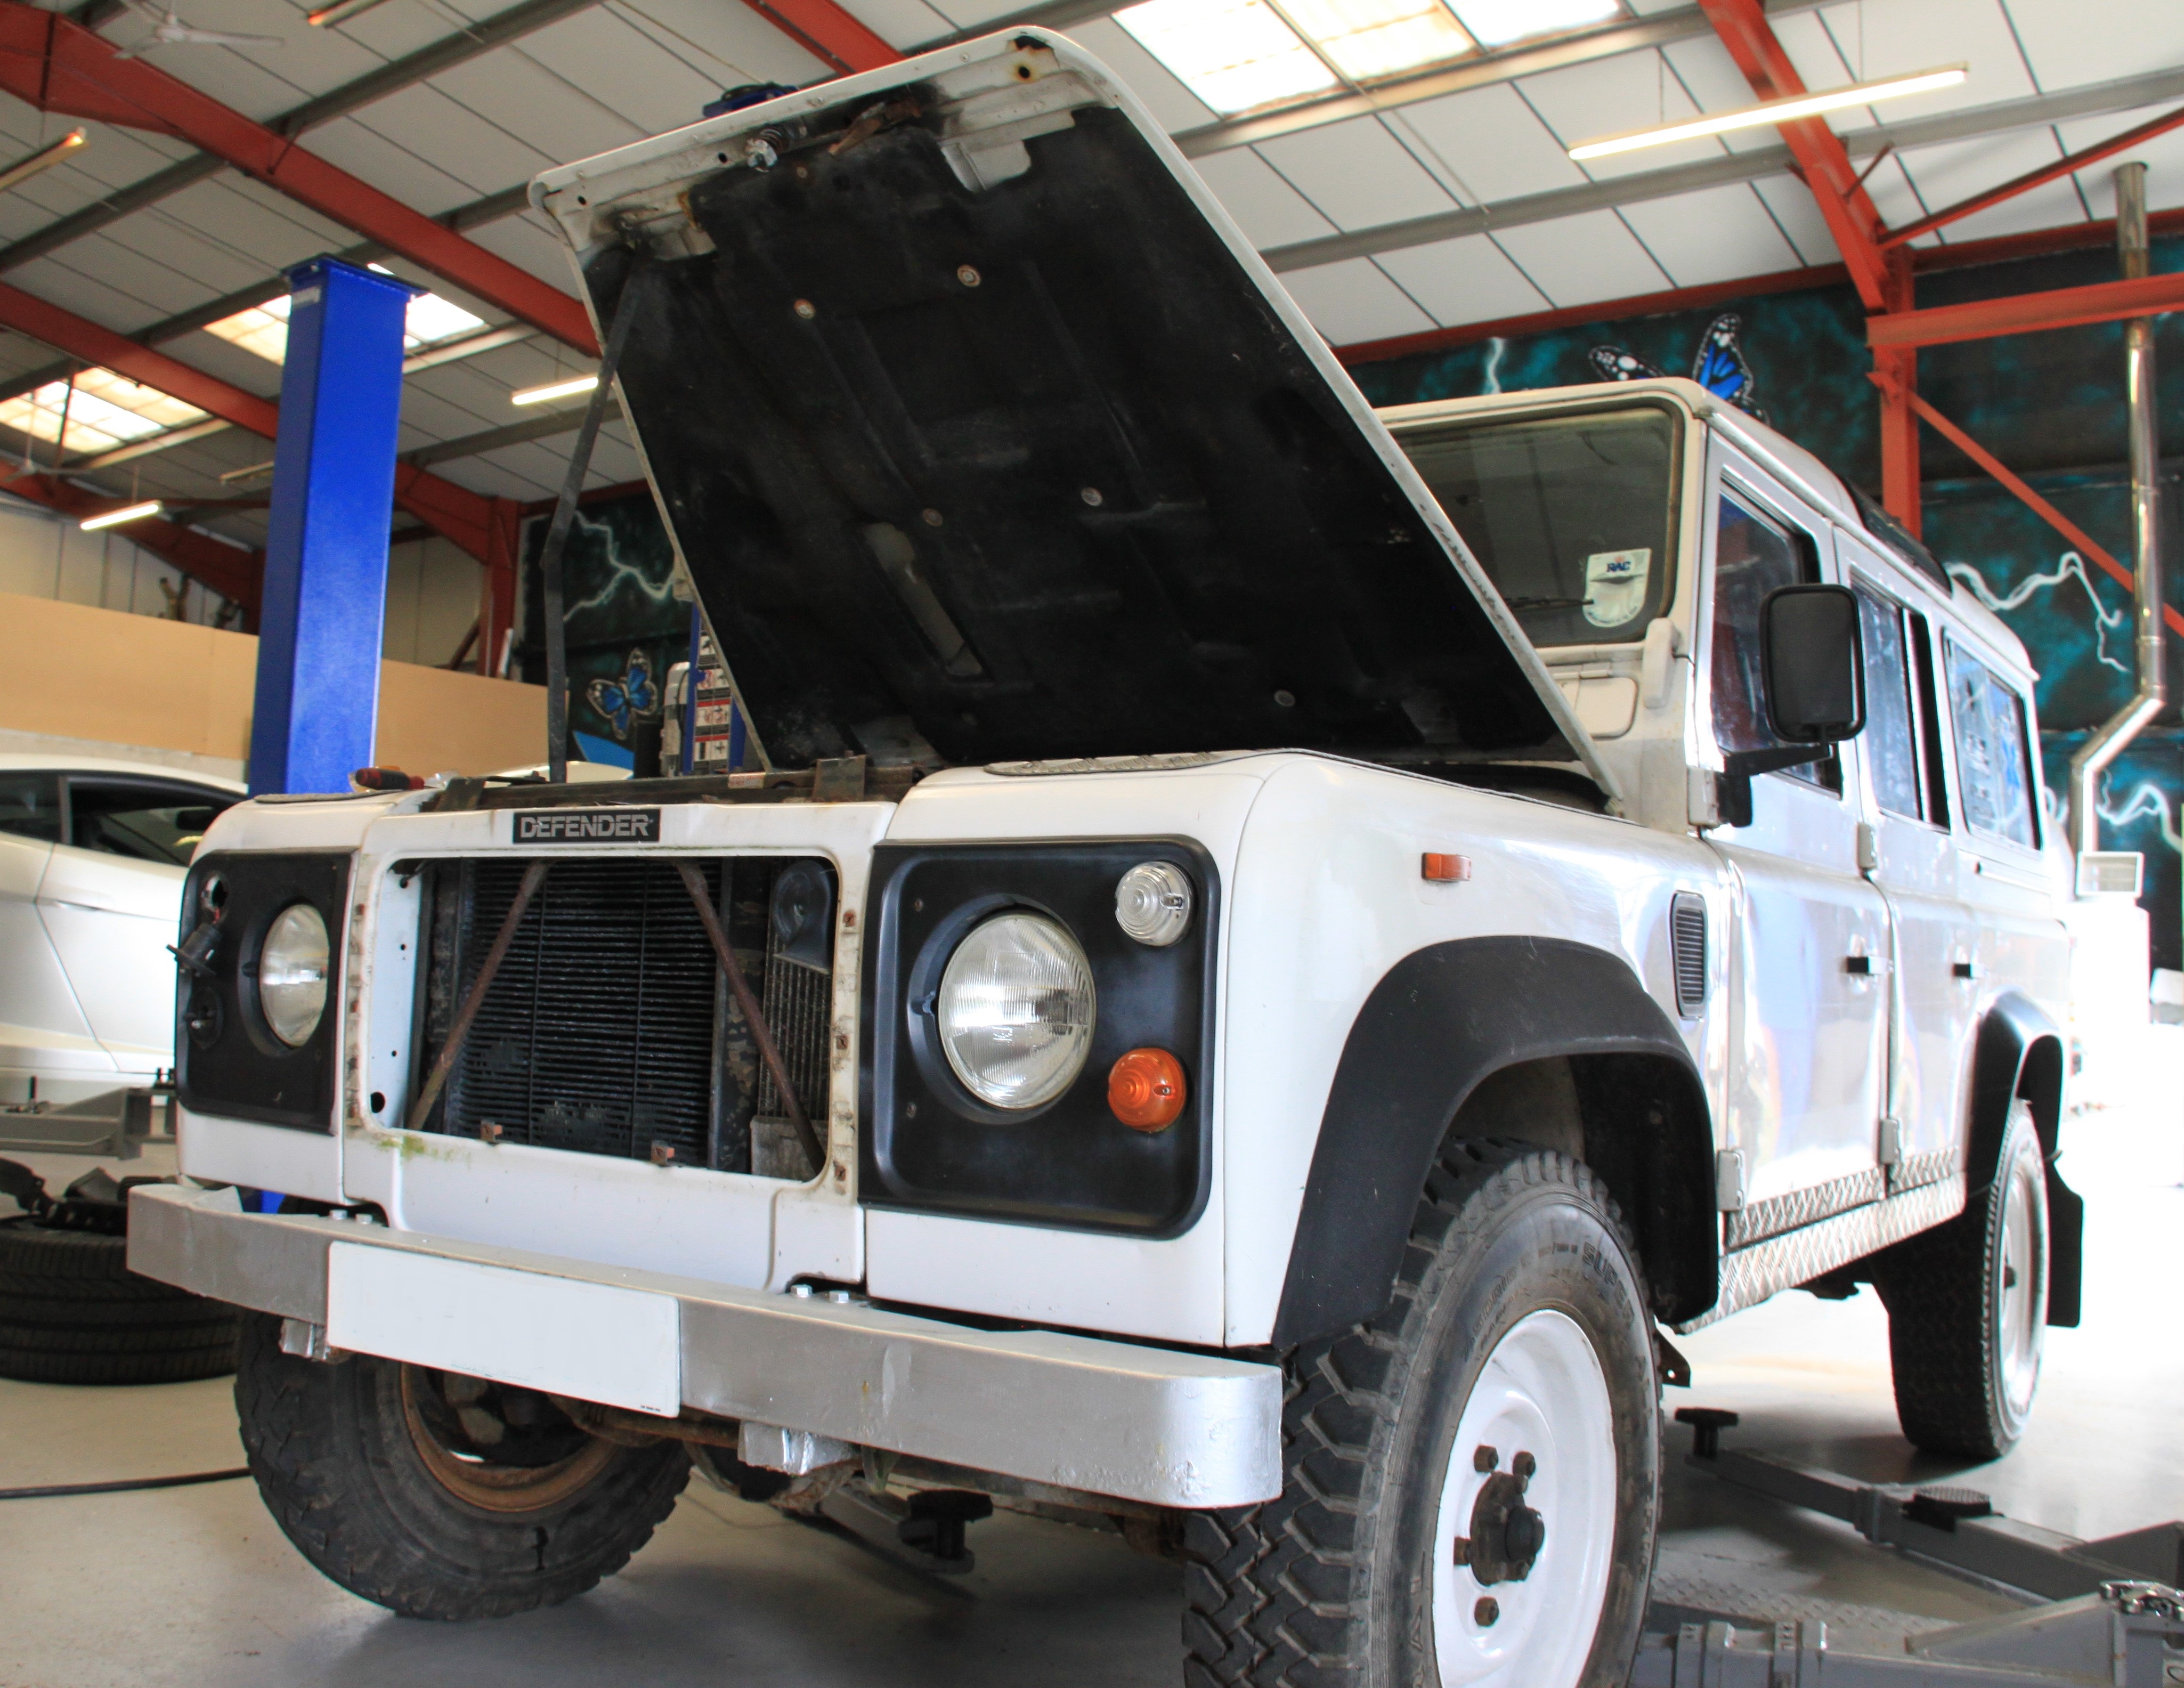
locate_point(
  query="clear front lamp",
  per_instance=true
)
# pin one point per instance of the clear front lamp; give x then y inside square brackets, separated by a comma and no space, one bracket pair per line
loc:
[1016,1011]
[1152,903]
[291,973]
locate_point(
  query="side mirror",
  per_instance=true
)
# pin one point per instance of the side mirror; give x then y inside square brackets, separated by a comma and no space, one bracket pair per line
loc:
[1813,664]
[1812,667]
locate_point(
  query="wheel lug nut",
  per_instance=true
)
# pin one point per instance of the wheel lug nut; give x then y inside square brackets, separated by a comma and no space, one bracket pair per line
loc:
[1463,1550]
[1485,1458]
[1523,1466]
[1488,1610]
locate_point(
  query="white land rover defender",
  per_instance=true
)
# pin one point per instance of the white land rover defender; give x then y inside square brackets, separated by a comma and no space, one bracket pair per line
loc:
[1273,948]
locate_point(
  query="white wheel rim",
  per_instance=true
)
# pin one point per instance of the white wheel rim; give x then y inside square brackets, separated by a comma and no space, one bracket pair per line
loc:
[1542,1392]
[2020,1289]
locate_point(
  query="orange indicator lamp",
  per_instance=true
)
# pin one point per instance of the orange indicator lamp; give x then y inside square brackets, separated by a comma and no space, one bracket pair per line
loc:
[1146,1089]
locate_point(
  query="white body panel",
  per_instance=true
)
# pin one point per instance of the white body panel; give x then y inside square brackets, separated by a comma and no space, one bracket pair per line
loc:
[1801,1057]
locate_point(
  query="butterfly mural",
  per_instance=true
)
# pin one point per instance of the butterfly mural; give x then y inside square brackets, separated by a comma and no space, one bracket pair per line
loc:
[1719,366]
[620,700]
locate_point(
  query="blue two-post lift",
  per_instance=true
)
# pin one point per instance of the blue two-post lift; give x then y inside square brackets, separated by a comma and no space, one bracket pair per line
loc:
[323,610]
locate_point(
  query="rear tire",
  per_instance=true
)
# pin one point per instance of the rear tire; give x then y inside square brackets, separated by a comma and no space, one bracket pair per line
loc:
[1968,1309]
[71,1311]
[437,1496]
[1519,1328]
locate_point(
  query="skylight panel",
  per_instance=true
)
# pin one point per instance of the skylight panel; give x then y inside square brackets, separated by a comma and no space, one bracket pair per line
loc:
[107,410]
[1367,39]
[432,318]
[263,329]
[1235,55]
[1496,23]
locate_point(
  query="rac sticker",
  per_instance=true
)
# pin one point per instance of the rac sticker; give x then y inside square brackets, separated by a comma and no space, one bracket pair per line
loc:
[586,825]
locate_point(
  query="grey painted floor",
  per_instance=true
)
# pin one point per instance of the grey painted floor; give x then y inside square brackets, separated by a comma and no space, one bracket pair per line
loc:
[197,1586]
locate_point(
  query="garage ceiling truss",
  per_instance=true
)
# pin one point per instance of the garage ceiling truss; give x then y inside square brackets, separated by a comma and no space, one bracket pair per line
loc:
[231,570]
[485,210]
[484,527]
[59,66]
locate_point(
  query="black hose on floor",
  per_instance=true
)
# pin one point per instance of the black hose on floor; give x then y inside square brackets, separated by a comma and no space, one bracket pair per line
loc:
[53,1492]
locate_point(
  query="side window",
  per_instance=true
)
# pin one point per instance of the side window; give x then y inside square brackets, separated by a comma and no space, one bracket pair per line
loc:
[1891,736]
[141,819]
[1753,554]
[1994,755]
[30,806]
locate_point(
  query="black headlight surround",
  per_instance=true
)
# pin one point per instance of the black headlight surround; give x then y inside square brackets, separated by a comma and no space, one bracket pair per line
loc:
[228,1061]
[927,1145]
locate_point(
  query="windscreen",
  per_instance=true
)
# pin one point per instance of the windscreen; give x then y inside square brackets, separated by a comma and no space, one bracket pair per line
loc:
[1571,516]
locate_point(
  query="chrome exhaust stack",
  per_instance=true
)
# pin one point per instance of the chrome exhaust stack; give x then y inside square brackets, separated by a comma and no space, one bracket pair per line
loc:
[2109,741]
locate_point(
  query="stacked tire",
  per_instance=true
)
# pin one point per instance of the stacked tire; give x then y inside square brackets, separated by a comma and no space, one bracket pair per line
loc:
[71,1311]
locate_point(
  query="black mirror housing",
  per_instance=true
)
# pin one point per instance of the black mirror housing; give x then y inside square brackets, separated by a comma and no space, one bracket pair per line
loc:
[1813,664]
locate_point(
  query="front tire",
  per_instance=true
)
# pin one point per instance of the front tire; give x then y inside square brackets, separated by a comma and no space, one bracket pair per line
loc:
[1968,1309]
[1506,1399]
[437,1496]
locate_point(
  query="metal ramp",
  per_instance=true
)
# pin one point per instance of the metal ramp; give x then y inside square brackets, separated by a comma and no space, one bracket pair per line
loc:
[2109,1617]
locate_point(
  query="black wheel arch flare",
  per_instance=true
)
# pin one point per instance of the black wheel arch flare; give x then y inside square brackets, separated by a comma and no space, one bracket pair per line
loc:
[2019,1053]
[1439,1022]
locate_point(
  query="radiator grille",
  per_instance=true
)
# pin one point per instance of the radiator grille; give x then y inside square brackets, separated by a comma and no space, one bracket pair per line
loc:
[608,1029]
[1687,937]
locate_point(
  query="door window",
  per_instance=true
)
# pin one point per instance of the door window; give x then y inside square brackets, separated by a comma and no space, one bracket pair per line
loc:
[1994,751]
[30,806]
[1892,734]
[142,819]
[1753,554]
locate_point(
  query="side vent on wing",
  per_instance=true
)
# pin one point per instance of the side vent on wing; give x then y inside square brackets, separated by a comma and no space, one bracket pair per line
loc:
[1687,941]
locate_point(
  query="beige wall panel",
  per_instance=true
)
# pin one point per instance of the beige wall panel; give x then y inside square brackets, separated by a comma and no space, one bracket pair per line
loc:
[70,670]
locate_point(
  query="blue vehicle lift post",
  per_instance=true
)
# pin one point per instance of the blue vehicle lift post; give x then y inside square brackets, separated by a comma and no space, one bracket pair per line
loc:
[317,709]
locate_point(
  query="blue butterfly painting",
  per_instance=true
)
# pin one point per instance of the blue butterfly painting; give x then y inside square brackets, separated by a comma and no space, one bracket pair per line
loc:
[621,701]
[1719,366]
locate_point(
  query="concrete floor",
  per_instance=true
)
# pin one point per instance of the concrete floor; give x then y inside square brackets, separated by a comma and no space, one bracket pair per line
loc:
[197,1585]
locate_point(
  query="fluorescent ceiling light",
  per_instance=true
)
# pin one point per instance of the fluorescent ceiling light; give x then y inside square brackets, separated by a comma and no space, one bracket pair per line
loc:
[114,518]
[1233,54]
[1372,38]
[263,328]
[557,389]
[43,160]
[1775,111]
[1496,23]
[105,410]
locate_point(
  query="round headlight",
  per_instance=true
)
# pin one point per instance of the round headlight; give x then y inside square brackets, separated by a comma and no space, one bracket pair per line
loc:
[291,973]
[1015,1009]
[1152,903]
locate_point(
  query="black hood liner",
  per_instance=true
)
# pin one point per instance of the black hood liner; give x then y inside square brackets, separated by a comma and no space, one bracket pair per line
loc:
[1037,467]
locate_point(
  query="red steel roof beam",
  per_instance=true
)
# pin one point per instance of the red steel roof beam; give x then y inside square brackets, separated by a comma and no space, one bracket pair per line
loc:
[234,573]
[57,65]
[2015,484]
[455,512]
[828,31]
[2026,313]
[2032,179]
[1844,205]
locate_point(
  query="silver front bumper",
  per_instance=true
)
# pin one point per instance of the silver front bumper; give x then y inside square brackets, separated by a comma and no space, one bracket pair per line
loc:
[1146,1424]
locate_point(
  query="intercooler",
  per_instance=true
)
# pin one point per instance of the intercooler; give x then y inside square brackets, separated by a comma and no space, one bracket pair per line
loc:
[609,1027]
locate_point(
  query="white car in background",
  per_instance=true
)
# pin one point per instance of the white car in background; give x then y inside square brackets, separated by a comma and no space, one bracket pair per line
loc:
[91,858]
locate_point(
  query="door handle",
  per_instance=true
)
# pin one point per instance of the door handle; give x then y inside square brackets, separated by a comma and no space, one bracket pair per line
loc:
[1865,966]
[1965,970]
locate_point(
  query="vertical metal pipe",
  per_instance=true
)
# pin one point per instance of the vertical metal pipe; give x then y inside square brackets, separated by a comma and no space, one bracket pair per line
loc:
[551,582]
[2108,742]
